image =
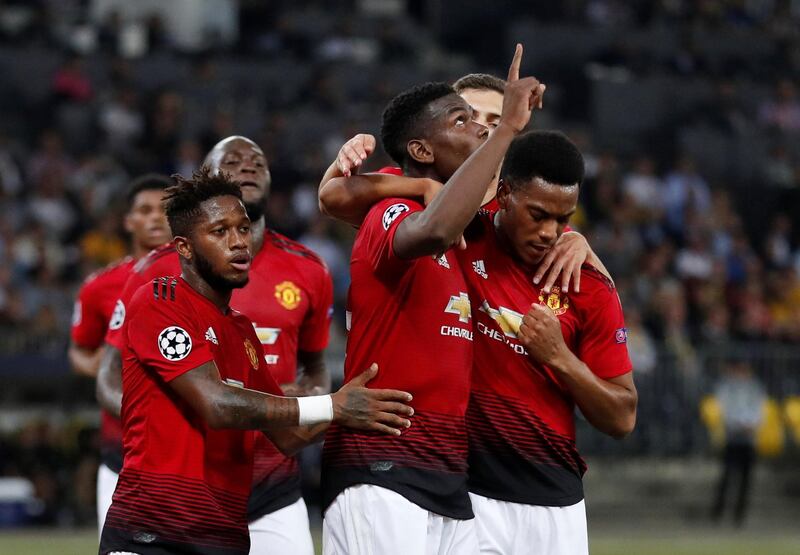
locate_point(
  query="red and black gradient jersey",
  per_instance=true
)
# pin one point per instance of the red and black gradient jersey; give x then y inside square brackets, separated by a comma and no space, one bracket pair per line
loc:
[184,486]
[412,318]
[92,313]
[289,300]
[520,418]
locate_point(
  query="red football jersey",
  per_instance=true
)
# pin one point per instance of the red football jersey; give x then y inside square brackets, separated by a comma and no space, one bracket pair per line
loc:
[161,261]
[183,486]
[95,303]
[289,300]
[412,318]
[93,309]
[520,418]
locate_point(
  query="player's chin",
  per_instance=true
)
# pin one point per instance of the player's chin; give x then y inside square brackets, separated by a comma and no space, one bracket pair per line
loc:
[238,281]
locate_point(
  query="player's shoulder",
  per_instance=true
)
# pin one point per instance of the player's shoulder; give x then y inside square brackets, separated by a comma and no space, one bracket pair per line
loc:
[596,287]
[165,254]
[115,272]
[596,279]
[290,247]
[385,212]
[479,228]
[161,293]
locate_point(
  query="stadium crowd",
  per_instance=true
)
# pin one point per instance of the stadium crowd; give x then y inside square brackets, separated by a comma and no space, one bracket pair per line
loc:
[701,259]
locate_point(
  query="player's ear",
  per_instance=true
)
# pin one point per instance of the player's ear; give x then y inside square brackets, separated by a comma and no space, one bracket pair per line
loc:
[503,193]
[127,223]
[420,151]
[183,247]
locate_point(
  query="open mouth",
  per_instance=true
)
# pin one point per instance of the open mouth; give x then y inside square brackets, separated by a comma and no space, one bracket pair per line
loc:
[241,263]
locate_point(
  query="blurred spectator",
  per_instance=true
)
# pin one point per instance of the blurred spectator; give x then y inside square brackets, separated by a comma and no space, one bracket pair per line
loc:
[741,398]
[782,111]
[685,189]
[71,83]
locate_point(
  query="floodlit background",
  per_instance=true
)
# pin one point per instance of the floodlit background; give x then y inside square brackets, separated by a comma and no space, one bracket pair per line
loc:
[688,115]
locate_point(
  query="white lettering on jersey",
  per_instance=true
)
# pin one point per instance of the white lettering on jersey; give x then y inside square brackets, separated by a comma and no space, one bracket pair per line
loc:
[211,336]
[480,268]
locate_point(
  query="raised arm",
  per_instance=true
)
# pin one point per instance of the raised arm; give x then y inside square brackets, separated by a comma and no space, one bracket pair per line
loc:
[346,196]
[435,229]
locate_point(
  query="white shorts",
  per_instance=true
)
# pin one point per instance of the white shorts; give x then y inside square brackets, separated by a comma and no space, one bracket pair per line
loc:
[506,528]
[283,531]
[371,520]
[106,484]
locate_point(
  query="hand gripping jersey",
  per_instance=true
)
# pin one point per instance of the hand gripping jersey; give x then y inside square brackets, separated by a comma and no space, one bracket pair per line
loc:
[520,418]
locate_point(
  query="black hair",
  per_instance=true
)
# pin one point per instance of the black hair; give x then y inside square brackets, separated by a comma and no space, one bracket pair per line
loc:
[182,200]
[548,155]
[480,82]
[402,118]
[147,182]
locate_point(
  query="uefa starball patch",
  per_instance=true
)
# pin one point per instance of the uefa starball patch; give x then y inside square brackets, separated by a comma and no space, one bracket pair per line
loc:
[174,343]
[621,335]
[118,316]
[392,213]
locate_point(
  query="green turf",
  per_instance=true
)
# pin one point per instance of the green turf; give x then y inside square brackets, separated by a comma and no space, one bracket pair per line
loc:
[687,542]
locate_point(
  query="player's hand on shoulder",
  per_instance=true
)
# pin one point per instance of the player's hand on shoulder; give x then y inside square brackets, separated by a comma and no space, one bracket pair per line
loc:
[564,260]
[379,410]
[540,334]
[520,97]
[354,152]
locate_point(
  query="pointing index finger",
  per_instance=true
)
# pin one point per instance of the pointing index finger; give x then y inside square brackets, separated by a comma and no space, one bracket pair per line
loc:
[513,71]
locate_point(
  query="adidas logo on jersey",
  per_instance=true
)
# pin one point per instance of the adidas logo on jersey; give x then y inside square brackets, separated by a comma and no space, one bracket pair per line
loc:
[442,260]
[211,336]
[480,269]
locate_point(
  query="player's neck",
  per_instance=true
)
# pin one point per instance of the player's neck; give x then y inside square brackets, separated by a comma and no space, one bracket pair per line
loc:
[257,229]
[220,298]
[140,250]
[505,243]
[428,172]
[491,192]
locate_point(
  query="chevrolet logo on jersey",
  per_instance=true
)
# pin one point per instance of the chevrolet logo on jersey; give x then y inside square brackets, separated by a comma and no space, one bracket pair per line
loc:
[460,305]
[508,320]
[268,336]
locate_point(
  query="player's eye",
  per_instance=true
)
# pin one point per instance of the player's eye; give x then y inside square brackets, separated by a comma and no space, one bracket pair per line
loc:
[218,231]
[461,120]
[244,229]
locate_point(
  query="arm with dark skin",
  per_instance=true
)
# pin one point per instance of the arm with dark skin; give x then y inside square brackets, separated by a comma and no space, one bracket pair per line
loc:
[608,405]
[348,197]
[224,406]
[109,380]
[84,361]
[438,227]
[313,379]
[565,259]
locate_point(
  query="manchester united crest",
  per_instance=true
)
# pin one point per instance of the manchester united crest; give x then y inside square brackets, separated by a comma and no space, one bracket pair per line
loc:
[288,295]
[555,300]
[252,354]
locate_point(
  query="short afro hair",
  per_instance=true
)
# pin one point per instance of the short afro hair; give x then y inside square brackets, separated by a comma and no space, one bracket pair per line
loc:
[403,117]
[182,200]
[548,155]
[147,182]
[480,82]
